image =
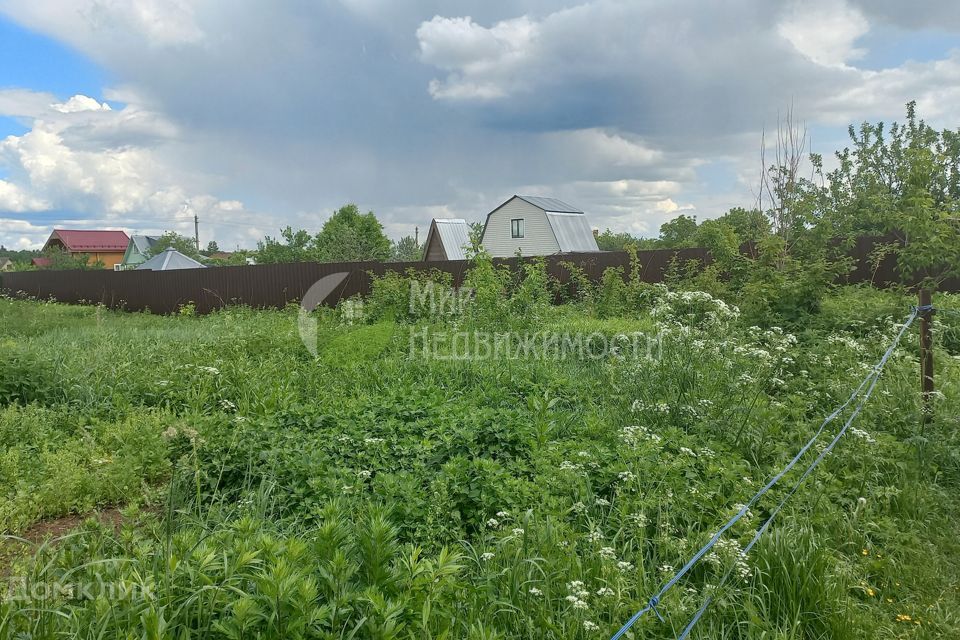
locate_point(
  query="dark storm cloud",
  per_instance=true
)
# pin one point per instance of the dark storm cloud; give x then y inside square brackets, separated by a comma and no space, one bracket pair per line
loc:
[413,108]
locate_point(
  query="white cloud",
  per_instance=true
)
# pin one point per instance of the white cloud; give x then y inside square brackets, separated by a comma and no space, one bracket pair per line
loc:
[602,148]
[21,234]
[83,157]
[80,103]
[24,102]
[15,199]
[824,31]
[112,24]
[934,85]
[473,51]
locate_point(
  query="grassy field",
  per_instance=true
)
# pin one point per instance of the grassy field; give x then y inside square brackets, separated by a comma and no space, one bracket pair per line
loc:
[379,491]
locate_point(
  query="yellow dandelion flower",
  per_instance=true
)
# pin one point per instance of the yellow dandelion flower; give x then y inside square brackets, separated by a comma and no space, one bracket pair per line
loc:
[865,552]
[871,592]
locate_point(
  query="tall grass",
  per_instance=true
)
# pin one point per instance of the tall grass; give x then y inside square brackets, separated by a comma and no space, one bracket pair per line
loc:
[366,493]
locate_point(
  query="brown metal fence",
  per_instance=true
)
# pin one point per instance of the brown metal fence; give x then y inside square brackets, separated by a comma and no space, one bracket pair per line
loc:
[276,285]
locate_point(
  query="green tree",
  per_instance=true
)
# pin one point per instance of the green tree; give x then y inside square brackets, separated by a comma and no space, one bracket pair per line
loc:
[406,249]
[173,240]
[19,255]
[750,225]
[620,241]
[63,260]
[905,182]
[351,236]
[679,232]
[476,237]
[212,247]
[292,246]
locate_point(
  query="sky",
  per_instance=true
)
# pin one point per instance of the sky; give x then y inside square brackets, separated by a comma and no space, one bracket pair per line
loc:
[140,114]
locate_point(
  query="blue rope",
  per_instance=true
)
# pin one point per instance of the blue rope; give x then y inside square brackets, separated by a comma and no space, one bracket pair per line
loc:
[654,601]
[875,375]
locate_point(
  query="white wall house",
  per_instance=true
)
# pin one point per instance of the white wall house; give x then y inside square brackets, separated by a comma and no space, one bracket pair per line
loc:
[536,226]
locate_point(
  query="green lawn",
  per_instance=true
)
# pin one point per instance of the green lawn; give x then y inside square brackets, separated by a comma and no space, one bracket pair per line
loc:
[372,492]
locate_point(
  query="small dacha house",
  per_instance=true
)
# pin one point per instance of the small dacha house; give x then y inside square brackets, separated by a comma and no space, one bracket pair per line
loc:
[448,239]
[137,251]
[107,247]
[537,226]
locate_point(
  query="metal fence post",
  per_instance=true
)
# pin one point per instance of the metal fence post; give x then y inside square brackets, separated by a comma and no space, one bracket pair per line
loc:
[926,353]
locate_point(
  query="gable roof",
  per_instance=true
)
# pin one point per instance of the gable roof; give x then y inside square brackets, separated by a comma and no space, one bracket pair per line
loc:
[454,236]
[83,240]
[550,204]
[143,243]
[5,261]
[169,260]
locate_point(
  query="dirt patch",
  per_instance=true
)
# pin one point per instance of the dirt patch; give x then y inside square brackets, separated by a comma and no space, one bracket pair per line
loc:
[57,527]
[51,529]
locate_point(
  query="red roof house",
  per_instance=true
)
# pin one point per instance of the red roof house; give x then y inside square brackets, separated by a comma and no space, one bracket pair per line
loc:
[107,247]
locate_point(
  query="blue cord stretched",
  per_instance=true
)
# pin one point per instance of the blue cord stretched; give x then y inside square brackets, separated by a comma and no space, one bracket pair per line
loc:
[870,379]
[875,375]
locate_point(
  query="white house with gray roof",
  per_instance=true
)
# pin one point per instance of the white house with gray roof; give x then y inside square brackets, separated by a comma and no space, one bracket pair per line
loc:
[536,226]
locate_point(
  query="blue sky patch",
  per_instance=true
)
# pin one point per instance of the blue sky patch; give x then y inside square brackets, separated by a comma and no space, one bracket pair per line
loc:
[31,61]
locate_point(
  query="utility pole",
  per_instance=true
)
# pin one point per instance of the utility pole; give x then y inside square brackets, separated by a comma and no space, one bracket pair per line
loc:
[416,236]
[196,230]
[926,353]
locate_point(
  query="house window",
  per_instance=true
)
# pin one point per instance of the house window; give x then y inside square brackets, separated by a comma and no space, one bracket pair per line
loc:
[516,228]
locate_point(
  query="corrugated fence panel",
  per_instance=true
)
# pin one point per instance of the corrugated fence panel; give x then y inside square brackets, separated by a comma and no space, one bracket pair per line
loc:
[276,285]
